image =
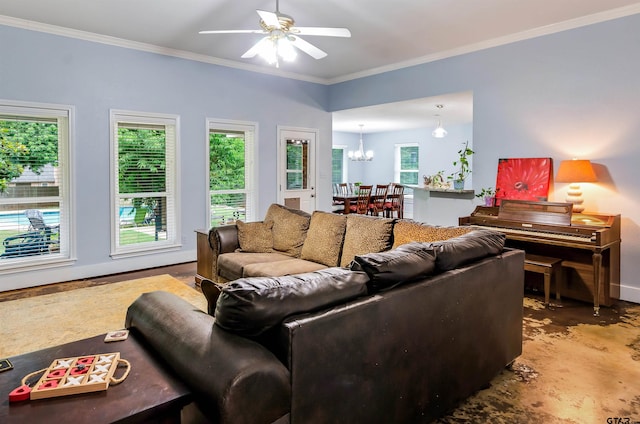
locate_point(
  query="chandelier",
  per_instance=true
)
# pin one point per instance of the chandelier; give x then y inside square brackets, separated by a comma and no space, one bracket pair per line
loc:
[359,155]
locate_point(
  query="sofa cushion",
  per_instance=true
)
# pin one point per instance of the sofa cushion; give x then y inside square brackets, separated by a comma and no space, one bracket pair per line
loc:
[231,265]
[388,269]
[289,228]
[255,237]
[278,268]
[407,231]
[468,247]
[250,306]
[324,238]
[365,234]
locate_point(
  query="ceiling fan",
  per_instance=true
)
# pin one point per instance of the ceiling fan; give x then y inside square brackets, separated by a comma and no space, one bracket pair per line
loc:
[281,36]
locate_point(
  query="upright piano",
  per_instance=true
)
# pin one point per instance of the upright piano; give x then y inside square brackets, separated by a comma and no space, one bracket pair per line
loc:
[587,243]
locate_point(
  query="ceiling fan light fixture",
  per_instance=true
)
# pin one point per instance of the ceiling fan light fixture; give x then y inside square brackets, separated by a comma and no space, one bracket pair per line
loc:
[282,37]
[285,49]
[276,47]
[267,50]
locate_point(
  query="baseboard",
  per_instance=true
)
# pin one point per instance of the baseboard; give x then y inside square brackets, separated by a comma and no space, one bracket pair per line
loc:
[40,277]
[629,293]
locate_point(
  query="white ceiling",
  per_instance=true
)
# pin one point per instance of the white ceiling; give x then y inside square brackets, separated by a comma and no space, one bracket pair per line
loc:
[419,113]
[386,35]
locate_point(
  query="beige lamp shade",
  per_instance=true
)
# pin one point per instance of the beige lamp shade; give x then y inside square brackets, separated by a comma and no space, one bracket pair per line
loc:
[575,172]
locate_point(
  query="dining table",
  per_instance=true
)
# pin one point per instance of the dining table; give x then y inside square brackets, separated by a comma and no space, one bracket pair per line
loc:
[347,200]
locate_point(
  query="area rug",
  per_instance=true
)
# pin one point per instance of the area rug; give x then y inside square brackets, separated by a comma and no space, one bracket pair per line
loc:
[42,321]
[574,369]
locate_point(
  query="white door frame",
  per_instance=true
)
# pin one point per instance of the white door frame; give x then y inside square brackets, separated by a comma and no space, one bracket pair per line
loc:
[308,198]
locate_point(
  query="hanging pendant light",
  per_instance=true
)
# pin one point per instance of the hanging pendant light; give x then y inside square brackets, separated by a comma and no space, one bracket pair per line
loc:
[439,132]
[360,155]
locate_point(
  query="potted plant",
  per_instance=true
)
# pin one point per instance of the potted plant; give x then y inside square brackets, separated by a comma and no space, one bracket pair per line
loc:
[488,195]
[464,169]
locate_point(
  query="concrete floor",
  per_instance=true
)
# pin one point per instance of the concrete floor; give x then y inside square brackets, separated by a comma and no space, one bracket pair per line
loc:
[575,368]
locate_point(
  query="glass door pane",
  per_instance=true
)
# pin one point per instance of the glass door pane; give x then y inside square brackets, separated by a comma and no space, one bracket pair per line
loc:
[297,164]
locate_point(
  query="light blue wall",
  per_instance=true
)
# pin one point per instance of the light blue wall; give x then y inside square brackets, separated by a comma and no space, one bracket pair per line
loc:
[574,93]
[39,67]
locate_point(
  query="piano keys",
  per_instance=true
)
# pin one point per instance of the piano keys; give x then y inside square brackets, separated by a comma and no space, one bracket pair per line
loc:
[587,243]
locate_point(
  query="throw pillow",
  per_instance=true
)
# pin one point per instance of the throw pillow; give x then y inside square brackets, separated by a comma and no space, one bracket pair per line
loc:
[251,306]
[255,237]
[289,228]
[388,269]
[469,247]
[324,238]
[365,235]
[407,231]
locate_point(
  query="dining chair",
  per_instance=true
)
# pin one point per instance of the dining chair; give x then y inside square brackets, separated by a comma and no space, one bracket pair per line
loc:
[378,199]
[339,189]
[395,202]
[362,202]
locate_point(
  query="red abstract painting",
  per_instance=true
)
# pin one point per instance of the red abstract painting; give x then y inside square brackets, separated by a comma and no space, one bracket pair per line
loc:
[523,179]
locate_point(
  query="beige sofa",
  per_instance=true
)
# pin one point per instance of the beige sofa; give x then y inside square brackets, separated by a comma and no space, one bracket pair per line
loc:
[290,241]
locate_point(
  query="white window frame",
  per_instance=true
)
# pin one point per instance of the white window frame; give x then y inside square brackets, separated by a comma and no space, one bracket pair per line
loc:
[172,173]
[65,116]
[397,162]
[250,130]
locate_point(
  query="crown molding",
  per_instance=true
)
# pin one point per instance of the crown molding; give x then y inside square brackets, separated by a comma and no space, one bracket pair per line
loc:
[150,48]
[495,42]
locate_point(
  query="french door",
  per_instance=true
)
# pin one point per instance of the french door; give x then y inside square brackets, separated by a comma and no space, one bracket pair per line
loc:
[296,167]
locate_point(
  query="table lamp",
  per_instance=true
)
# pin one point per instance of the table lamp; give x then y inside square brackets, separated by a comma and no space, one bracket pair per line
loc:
[574,172]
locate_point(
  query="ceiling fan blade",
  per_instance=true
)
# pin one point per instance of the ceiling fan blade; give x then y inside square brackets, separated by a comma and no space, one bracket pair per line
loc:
[328,32]
[308,48]
[234,31]
[269,18]
[253,51]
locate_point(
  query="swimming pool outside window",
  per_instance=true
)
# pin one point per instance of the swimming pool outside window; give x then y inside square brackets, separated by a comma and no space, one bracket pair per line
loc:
[34,184]
[144,180]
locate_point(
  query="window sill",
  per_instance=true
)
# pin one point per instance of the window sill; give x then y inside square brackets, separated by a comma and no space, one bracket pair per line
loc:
[145,251]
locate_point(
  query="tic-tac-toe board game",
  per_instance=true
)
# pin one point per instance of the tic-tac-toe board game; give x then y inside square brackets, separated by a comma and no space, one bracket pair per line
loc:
[79,374]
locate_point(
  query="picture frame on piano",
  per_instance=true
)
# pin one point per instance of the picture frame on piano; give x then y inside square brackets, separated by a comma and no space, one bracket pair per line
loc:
[523,179]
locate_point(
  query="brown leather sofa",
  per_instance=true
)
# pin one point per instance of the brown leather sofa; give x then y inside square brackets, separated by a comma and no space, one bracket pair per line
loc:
[400,336]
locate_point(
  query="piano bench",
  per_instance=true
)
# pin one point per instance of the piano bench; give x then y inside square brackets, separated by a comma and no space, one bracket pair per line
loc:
[550,267]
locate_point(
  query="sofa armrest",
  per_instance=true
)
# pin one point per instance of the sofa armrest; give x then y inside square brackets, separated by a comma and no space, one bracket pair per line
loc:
[222,239]
[233,379]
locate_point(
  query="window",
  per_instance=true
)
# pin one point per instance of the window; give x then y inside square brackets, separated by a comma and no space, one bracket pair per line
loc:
[35,195]
[406,163]
[144,151]
[338,168]
[231,178]
[297,164]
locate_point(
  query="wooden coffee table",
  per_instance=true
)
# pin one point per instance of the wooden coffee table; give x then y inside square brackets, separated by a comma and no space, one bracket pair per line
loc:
[151,392]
